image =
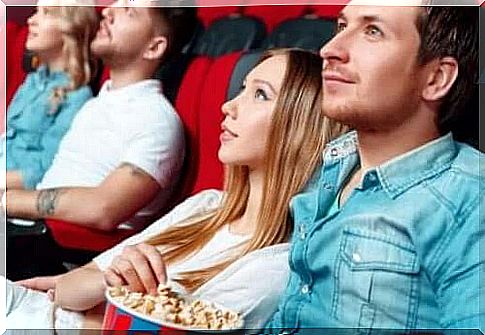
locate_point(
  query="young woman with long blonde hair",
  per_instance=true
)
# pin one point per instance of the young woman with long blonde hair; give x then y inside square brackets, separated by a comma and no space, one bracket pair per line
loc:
[219,245]
[42,110]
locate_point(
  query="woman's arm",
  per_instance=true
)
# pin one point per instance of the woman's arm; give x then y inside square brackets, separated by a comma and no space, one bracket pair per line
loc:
[80,289]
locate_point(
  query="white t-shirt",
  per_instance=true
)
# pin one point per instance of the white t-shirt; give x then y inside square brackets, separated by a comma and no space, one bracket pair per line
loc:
[134,124]
[252,285]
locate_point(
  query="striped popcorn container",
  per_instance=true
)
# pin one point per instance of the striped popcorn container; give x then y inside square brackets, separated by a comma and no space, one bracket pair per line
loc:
[119,319]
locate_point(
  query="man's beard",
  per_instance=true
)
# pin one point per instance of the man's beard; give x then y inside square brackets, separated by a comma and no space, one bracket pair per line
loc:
[364,118]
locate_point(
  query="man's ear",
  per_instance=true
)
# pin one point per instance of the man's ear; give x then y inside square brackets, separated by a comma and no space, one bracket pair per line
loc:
[441,76]
[157,47]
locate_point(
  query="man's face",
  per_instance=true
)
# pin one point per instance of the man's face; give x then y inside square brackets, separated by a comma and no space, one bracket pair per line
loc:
[125,31]
[371,79]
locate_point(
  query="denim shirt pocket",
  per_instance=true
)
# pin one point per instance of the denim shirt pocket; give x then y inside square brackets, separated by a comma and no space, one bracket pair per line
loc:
[376,279]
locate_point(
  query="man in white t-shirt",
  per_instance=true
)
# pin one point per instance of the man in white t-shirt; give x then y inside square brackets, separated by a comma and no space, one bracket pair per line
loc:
[119,161]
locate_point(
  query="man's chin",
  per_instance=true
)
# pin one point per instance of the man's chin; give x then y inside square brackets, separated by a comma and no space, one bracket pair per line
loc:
[100,49]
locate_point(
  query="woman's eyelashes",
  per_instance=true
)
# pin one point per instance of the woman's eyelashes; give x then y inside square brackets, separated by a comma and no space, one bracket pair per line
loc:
[256,91]
[260,94]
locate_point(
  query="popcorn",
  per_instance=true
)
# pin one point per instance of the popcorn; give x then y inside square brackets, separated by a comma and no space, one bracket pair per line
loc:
[169,306]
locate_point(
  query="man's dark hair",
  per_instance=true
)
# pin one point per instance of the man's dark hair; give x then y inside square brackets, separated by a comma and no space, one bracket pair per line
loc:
[451,31]
[180,23]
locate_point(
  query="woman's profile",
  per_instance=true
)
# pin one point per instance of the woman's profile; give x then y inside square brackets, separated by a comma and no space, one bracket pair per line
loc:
[44,106]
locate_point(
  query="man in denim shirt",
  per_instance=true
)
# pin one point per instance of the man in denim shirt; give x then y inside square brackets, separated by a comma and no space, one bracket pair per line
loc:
[388,233]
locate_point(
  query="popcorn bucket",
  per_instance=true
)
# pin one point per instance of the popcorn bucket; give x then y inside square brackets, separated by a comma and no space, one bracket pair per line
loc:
[119,319]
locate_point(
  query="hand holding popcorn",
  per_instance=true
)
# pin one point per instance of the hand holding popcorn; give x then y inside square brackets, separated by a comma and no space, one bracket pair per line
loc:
[140,268]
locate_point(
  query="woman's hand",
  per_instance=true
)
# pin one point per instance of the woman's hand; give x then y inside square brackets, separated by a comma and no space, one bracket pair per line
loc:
[139,267]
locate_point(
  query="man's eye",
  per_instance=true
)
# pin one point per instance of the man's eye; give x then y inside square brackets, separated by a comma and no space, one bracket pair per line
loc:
[260,95]
[340,27]
[373,31]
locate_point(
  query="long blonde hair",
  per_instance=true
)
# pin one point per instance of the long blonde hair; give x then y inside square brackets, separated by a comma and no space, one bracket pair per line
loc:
[79,25]
[298,134]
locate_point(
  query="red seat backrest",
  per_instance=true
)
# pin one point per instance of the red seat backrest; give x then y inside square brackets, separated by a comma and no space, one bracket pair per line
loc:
[73,236]
[16,37]
[275,14]
[207,15]
[327,11]
[210,172]
[187,105]
[104,76]
[2,78]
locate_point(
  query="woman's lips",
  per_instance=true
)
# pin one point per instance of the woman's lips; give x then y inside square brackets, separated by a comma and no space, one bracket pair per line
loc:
[227,134]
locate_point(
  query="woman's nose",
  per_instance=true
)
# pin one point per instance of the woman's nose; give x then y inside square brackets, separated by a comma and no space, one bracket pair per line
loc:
[229,108]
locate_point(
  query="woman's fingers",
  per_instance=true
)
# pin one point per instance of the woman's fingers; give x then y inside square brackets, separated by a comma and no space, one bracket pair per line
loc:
[157,265]
[113,278]
[140,262]
[130,275]
[141,267]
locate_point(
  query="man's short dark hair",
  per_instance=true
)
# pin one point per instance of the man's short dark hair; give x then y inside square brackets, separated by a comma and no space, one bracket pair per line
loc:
[451,31]
[180,23]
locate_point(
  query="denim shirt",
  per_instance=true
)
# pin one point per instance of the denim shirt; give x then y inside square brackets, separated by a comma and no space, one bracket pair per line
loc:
[403,250]
[34,130]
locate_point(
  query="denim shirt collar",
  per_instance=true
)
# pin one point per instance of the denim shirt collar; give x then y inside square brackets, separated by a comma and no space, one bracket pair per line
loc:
[400,173]
[43,76]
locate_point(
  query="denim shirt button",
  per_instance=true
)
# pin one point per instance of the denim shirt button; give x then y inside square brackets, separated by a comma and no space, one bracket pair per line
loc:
[302,232]
[305,289]
[334,152]
[10,132]
[356,257]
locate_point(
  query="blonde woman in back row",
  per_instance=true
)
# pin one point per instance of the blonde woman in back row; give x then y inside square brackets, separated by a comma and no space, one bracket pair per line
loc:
[229,247]
[41,112]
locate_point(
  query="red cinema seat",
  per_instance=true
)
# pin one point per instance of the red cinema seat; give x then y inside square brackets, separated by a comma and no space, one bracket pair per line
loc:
[104,76]
[187,105]
[207,15]
[210,172]
[16,37]
[273,15]
[73,236]
[327,11]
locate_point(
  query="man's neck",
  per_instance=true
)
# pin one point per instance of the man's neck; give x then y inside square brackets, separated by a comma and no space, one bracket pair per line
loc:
[378,147]
[122,76]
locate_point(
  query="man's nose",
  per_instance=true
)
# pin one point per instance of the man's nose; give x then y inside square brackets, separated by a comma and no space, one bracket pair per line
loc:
[108,14]
[32,19]
[336,49]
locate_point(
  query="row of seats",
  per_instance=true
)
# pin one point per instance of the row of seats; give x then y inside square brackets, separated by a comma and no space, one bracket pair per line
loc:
[198,92]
